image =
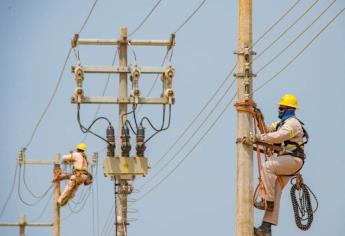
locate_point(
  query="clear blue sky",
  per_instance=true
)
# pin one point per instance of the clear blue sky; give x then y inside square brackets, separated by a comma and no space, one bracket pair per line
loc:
[199,197]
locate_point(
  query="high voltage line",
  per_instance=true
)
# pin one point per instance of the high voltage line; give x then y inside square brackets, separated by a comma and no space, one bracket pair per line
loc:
[59,79]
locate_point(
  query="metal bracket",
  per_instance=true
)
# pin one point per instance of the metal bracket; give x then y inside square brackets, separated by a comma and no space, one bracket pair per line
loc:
[246,51]
[242,75]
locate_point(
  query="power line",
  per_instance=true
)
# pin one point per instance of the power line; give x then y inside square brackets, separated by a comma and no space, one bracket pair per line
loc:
[295,39]
[20,194]
[88,16]
[190,17]
[28,189]
[59,79]
[191,150]
[44,208]
[11,192]
[194,133]
[276,23]
[286,30]
[303,49]
[145,19]
[50,99]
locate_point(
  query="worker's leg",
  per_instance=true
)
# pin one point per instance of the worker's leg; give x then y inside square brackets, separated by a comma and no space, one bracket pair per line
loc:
[273,216]
[281,165]
[69,190]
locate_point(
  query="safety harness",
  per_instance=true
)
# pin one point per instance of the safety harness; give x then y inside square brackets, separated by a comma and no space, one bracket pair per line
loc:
[268,150]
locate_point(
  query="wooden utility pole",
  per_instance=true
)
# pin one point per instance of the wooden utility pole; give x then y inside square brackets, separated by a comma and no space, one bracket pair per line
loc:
[244,193]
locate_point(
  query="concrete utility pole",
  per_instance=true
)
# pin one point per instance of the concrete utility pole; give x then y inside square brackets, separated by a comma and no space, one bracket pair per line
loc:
[22,224]
[244,193]
[122,167]
[56,206]
[122,193]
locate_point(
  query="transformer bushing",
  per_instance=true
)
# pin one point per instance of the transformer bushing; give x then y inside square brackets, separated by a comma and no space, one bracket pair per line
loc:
[125,143]
[111,141]
[140,141]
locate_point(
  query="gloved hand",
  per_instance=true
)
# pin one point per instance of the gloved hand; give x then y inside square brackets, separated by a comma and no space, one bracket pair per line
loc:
[251,139]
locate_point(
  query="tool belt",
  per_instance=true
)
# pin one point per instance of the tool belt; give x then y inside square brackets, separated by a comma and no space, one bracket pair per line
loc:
[296,153]
[78,173]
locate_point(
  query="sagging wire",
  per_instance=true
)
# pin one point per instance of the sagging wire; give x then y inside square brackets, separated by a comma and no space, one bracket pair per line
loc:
[88,130]
[20,194]
[127,122]
[44,208]
[162,126]
[11,191]
[27,187]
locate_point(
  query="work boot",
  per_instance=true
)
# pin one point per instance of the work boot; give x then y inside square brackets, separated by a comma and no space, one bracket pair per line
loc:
[261,205]
[263,230]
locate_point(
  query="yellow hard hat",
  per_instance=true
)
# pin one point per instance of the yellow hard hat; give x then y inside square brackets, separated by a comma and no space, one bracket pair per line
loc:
[82,146]
[289,100]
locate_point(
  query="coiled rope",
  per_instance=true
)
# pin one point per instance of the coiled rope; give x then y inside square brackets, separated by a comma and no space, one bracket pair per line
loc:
[301,203]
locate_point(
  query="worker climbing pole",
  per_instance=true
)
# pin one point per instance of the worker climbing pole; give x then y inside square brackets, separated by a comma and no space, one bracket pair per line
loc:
[282,144]
[80,174]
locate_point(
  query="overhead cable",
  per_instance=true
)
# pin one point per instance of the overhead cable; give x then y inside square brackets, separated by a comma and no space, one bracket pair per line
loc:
[59,79]
[286,30]
[190,17]
[193,134]
[303,49]
[88,16]
[296,38]
[11,191]
[276,23]
[44,209]
[37,201]
[28,189]
[50,99]
[145,19]
[191,150]
[196,116]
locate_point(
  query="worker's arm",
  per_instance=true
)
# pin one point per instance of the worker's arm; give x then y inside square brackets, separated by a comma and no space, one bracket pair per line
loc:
[68,158]
[273,127]
[286,132]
